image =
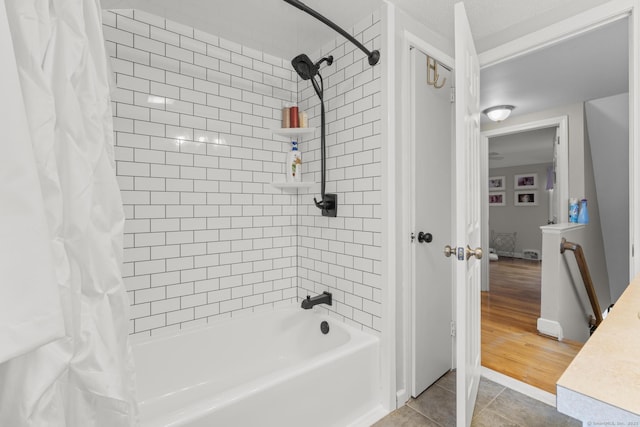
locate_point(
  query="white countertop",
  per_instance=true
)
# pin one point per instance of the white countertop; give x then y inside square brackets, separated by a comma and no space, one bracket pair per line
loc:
[607,369]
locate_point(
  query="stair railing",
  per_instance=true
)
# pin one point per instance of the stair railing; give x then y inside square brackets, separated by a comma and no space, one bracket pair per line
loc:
[594,322]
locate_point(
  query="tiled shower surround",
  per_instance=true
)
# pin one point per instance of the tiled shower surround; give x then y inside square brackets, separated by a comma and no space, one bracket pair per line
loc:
[343,254]
[206,235]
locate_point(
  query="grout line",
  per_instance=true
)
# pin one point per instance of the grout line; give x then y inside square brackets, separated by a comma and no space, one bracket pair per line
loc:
[519,386]
[490,402]
[426,416]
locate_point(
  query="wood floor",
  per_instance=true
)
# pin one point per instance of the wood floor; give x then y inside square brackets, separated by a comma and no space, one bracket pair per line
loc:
[511,344]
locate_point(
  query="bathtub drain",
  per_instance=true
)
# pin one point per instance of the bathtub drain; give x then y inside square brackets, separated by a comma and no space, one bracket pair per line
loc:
[324,327]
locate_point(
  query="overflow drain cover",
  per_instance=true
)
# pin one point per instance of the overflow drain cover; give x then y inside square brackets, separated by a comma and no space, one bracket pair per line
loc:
[324,327]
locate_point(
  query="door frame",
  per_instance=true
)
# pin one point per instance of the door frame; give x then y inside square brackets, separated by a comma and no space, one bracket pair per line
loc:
[562,172]
[410,41]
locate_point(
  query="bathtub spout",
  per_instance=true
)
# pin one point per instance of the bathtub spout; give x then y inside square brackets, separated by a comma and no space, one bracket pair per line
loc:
[323,298]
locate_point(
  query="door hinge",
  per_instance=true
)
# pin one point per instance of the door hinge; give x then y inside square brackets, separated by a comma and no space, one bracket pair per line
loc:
[453,329]
[453,95]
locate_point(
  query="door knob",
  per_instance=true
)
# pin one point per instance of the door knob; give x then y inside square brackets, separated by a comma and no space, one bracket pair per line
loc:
[448,251]
[477,252]
[425,237]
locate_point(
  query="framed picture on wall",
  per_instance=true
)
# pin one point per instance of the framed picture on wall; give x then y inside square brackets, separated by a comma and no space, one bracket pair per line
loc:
[525,181]
[497,199]
[525,198]
[496,183]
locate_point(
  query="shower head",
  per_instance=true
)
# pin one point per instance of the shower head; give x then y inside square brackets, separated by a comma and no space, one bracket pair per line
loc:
[305,67]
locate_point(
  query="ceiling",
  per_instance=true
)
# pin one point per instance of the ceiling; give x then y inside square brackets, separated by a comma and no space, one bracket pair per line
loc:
[277,28]
[494,22]
[271,26]
[592,66]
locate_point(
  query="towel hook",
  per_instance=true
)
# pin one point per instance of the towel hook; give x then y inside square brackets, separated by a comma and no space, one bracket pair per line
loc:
[432,65]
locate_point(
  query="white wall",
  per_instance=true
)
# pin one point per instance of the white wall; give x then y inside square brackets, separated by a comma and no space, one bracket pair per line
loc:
[564,301]
[206,235]
[524,220]
[593,239]
[608,128]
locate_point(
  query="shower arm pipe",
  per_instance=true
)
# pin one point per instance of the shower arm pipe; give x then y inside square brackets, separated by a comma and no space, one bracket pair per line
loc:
[374,56]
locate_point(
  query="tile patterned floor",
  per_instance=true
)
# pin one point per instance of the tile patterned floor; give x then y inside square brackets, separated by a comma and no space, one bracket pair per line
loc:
[496,406]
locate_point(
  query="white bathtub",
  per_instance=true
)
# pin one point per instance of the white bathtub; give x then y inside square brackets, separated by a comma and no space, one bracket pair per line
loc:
[269,369]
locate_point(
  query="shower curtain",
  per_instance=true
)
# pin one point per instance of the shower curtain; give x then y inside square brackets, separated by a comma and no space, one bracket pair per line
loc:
[65,358]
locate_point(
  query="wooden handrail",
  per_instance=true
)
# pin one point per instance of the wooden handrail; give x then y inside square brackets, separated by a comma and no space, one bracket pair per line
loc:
[586,278]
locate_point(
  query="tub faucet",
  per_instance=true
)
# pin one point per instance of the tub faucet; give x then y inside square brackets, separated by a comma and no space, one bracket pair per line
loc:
[323,298]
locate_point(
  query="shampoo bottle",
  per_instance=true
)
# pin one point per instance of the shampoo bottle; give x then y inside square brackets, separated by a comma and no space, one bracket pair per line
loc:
[293,116]
[293,167]
[303,120]
[286,117]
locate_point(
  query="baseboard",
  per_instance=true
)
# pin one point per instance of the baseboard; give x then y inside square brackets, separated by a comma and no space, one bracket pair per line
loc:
[402,397]
[519,386]
[532,254]
[550,328]
[517,255]
[368,419]
[509,254]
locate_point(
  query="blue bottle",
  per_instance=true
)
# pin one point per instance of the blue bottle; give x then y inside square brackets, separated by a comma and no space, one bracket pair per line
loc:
[583,216]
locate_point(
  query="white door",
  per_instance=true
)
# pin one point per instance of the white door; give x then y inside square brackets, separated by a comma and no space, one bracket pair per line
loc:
[432,189]
[467,272]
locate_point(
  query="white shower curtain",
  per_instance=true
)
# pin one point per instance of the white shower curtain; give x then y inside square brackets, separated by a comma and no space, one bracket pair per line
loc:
[65,358]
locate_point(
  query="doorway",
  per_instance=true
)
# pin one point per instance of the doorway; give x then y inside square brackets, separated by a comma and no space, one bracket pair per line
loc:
[522,187]
[580,170]
[536,150]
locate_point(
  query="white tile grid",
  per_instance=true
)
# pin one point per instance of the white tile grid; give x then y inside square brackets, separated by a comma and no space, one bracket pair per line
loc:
[206,235]
[343,255]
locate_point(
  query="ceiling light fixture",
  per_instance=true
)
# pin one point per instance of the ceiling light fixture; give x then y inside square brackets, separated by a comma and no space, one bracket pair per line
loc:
[499,112]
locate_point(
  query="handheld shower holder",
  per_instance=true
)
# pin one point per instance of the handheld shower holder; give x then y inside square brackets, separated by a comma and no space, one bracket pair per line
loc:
[328,205]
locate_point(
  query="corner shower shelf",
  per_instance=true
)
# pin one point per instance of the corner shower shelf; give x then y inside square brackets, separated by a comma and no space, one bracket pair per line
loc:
[294,132]
[293,185]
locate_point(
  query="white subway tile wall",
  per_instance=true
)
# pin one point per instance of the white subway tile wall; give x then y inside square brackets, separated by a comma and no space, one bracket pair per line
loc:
[206,235]
[343,255]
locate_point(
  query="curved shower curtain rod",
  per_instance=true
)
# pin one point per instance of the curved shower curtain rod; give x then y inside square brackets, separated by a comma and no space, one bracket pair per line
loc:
[374,56]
